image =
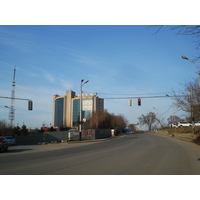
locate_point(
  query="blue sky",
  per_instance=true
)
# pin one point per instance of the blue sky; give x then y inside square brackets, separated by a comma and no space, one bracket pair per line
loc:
[117,60]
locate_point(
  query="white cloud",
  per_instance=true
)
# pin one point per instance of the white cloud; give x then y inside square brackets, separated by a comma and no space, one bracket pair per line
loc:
[85,58]
[49,76]
[91,62]
[16,39]
[65,84]
[44,73]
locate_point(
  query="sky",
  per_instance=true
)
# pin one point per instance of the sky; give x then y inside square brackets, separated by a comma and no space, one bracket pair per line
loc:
[118,61]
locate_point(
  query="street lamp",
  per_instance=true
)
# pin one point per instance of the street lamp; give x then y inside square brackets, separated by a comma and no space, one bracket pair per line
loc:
[186,58]
[80,119]
[191,91]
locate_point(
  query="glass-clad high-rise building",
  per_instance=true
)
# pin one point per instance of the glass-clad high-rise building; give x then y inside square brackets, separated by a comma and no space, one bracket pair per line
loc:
[76,112]
[59,104]
[66,109]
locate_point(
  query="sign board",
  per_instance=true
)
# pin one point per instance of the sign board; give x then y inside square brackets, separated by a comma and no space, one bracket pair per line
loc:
[45,128]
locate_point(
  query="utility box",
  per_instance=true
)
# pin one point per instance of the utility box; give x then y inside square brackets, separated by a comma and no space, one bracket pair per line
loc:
[70,136]
[112,132]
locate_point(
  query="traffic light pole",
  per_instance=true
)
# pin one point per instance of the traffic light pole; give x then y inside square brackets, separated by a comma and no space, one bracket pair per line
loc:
[192,108]
[145,97]
[30,102]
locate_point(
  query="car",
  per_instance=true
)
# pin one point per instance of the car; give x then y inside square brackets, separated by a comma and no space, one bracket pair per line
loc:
[10,140]
[183,124]
[197,124]
[174,125]
[3,144]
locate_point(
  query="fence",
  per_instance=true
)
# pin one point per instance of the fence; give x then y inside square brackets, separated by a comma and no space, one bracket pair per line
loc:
[48,137]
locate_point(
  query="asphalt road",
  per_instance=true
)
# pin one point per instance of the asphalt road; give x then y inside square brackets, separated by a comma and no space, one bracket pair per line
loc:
[131,154]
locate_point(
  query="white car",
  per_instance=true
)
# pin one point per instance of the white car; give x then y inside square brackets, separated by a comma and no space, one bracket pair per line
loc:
[197,124]
[10,140]
[174,125]
[184,124]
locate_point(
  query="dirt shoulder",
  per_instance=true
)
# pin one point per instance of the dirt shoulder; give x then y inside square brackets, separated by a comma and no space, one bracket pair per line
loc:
[178,134]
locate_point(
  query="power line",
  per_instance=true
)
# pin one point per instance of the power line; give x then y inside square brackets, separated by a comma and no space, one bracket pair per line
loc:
[167,110]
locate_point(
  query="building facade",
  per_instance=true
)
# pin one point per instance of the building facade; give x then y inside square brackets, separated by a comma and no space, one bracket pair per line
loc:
[66,109]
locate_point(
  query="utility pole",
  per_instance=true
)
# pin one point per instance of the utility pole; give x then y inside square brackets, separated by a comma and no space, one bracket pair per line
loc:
[81,104]
[174,118]
[12,110]
[192,107]
[197,67]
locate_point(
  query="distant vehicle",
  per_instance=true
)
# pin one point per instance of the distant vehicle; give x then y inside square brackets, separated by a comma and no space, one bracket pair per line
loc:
[197,124]
[183,124]
[3,144]
[174,125]
[10,140]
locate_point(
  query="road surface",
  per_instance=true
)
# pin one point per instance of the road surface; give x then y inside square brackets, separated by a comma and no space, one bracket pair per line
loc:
[131,154]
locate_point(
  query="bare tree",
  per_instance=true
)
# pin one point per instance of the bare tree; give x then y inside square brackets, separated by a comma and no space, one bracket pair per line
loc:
[149,119]
[173,119]
[132,127]
[4,127]
[188,99]
[105,120]
[192,30]
[161,120]
[119,122]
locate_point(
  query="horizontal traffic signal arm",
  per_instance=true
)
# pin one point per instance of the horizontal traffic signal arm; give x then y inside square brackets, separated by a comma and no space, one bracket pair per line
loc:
[143,97]
[30,102]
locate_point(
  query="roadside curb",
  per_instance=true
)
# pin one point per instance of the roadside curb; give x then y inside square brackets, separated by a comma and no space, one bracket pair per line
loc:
[88,140]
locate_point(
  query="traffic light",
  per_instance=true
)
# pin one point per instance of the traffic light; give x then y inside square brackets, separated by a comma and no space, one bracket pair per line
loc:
[30,105]
[130,102]
[139,102]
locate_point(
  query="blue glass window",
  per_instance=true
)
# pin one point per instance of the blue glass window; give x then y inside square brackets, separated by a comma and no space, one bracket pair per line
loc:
[58,120]
[76,111]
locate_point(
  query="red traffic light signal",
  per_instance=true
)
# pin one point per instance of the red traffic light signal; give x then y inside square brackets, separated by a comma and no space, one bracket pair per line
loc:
[139,102]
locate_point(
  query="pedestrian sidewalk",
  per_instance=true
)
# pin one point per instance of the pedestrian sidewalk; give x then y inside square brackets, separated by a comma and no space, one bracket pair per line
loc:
[44,147]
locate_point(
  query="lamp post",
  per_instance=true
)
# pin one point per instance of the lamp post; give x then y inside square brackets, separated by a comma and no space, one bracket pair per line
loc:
[80,119]
[191,92]
[10,115]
